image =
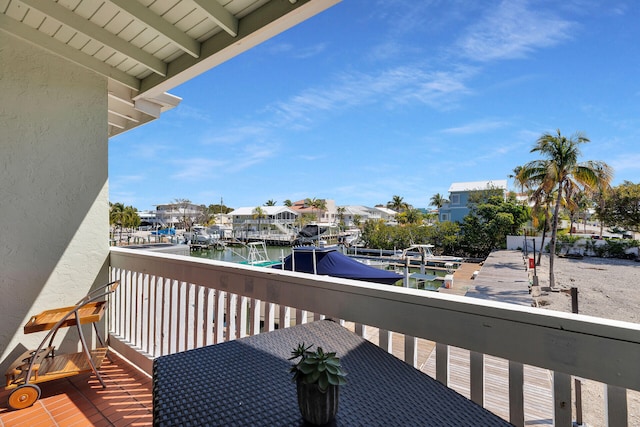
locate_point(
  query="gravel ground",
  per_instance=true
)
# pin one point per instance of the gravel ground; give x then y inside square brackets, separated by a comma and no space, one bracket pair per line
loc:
[607,288]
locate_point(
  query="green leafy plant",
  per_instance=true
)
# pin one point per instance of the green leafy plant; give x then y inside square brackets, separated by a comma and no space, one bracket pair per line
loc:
[317,367]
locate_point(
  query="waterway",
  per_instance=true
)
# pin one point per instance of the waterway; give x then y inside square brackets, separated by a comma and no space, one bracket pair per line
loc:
[240,253]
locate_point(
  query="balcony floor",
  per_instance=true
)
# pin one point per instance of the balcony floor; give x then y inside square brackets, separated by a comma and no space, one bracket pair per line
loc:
[81,400]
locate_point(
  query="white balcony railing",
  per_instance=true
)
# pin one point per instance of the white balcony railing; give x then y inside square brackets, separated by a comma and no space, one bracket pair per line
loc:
[171,303]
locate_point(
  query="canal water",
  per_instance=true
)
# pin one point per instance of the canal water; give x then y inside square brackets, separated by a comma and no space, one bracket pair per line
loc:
[240,253]
[275,253]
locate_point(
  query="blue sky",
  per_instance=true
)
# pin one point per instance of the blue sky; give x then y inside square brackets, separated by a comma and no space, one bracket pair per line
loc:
[372,99]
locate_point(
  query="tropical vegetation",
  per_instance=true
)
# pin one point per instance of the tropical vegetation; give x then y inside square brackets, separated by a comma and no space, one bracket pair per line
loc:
[558,186]
[123,217]
[560,173]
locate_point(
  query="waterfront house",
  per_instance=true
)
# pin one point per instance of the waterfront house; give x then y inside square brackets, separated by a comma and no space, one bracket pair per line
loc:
[460,194]
[179,215]
[68,84]
[271,219]
[365,213]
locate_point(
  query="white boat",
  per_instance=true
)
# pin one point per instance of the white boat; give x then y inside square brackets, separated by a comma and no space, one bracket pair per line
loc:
[315,232]
[350,237]
[258,255]
[424,253]
[202,235]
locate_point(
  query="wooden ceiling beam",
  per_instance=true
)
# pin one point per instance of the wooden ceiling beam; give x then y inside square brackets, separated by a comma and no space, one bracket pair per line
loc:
[159,24]
[37,38]
[89,29]
[219,15]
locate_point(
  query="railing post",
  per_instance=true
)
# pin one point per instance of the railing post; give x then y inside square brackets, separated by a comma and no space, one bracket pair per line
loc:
[385,339]
[269,316]
[442,363]
[218,324]
[254,317]
[516,396]
[243,316]
[561,399]
[411,350]
[616,406]
[578,387]
[284,319]
[476,374]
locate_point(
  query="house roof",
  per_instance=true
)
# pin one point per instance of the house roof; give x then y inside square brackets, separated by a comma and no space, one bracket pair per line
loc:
[145,47]
[268,210]
[478,185]
[386,210]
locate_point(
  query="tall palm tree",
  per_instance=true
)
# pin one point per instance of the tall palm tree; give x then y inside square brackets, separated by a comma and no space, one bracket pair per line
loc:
[438,200]
[288,203]
[561,171]
[270,202]
[340,210]
[116,215]
[600,191]
[397,204]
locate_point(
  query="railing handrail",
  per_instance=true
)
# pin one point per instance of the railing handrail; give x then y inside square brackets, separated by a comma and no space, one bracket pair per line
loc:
[599,349]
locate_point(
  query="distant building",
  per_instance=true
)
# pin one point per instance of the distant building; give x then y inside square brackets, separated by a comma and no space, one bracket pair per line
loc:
[459,192]
[178,215]
[280,217]
[364,213]
[327,215]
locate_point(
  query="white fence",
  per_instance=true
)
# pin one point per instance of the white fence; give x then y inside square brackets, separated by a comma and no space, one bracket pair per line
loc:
[170,303]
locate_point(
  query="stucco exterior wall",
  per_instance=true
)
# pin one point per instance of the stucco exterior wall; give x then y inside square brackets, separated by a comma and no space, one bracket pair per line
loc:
[53,188]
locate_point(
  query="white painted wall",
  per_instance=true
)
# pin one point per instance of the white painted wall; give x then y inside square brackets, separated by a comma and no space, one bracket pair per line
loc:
[53,188]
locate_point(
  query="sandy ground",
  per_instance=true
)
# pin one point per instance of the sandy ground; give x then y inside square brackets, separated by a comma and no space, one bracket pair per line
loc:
[607,288]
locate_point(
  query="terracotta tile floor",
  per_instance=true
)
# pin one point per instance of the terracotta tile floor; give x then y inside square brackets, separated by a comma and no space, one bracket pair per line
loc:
[81,400]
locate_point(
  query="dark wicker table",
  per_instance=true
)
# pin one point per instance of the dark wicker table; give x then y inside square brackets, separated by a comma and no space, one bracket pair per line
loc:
[247,383]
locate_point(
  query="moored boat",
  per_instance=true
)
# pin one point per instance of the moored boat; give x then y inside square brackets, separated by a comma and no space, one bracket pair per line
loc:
[331,262]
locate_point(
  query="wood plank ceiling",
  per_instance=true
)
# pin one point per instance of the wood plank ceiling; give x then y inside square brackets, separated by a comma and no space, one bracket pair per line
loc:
[147,47]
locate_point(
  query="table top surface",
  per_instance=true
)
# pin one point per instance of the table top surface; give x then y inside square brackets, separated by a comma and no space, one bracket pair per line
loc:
[247,382]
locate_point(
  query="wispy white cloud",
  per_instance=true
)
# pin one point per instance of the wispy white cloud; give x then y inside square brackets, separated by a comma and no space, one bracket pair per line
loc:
[189,113]
[196,168]
[627,162]
[311,158]
[304,52]
[253,154]
[236,134]
[310,51]
[475,127]
[390,88]
[513,30]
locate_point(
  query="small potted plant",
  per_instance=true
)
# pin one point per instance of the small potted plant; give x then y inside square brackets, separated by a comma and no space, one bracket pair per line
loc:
[318,376]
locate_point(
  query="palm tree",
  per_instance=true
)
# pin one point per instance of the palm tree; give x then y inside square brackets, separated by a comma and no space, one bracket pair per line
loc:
[116,215]
[288,203]
[319,204]
[357,220]
[340,211]
[560,171]
[259,213]
[270,202]
[438,200]
[397,204]
[601,191]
